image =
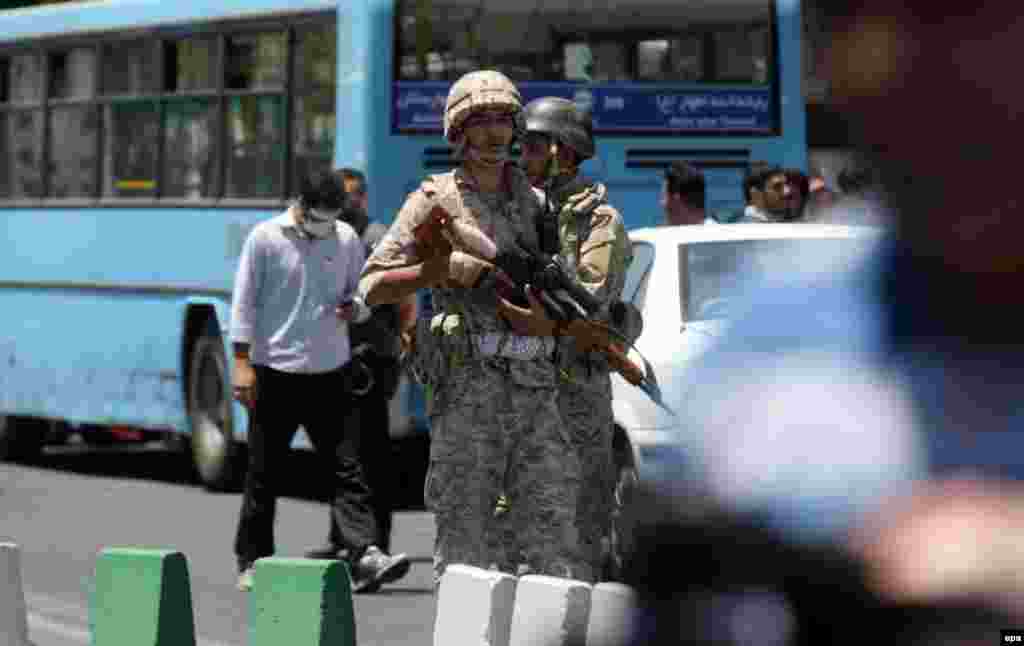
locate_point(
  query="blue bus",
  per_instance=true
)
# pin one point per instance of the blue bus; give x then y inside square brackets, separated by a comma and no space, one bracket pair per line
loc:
[141,140]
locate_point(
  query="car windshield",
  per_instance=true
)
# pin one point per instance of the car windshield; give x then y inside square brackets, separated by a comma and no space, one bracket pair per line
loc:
[715,273]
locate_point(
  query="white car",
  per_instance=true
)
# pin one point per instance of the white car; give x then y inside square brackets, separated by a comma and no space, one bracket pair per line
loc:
[687,280]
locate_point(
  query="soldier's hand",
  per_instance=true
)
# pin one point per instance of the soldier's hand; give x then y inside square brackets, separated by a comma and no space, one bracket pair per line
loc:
[465,270]
[529,322]
[435,269]
[585,336]
[245,382]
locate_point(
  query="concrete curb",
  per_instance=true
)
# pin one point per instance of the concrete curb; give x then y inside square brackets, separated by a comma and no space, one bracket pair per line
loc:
[550,611]
[477,607]
[474,607]
[612,606]
[301,602]
[142,597]
[13,613]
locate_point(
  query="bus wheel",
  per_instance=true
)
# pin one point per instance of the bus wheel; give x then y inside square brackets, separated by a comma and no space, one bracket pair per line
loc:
[214,449]
[20,438]
[626,481]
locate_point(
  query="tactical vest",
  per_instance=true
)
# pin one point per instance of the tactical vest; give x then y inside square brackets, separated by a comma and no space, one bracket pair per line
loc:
[478,307]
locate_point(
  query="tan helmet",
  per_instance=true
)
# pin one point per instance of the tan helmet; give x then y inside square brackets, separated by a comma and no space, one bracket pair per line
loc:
[476,91]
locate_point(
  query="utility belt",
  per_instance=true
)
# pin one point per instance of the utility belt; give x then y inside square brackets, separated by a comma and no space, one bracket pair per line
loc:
[435,352]
[513,346]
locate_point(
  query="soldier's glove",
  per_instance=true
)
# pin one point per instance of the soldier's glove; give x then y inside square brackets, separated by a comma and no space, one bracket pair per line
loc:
[465,270]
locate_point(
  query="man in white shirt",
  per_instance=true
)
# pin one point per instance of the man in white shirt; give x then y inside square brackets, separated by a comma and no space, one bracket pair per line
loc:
[294,297]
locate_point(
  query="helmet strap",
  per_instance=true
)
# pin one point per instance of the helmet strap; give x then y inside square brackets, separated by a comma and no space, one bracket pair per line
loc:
[555,169]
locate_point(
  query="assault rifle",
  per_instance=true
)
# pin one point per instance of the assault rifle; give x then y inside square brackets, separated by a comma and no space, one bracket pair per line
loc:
[569,304]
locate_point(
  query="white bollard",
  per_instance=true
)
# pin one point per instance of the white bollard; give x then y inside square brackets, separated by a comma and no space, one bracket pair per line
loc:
[474,607]
[550,612]
[13,614]
[611,614]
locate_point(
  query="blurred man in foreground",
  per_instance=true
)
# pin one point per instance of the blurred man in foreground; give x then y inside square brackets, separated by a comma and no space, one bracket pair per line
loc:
[874,414]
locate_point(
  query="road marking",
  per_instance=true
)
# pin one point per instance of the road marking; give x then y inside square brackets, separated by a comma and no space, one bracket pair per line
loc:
[77,630]
[38,623]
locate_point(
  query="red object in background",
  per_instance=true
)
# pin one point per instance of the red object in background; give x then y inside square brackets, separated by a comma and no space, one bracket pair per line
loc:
[126,433]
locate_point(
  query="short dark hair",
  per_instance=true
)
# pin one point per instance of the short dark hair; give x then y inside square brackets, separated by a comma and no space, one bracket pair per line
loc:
[686,181]
[322,190]
[351,174]
[757,177]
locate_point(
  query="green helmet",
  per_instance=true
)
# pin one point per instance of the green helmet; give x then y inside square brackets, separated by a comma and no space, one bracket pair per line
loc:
[479,90]
[561,119]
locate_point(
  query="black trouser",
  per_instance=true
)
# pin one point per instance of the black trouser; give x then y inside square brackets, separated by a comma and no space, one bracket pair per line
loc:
[375,449]
[284,401]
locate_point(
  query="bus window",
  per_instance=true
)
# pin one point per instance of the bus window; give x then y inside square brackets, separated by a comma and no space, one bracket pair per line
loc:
[131,122]
[619,41]
[741,54]
[313,102]
[190,65]
[577,62]
[26,80]
[255,123]
[255,62]
[673,59]
[21,127]
[73,127]
[190,168]
[5,80]
[21,152]
[73,74]
[190,150]
[132,138]
[73,161]
[255,145]
[130,68]
[5,173]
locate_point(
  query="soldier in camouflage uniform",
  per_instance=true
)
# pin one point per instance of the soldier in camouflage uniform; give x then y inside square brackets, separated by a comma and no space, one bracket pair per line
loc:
[495,424]
[593,242]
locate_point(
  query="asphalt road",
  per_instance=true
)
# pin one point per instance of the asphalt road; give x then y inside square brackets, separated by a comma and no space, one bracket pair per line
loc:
[74,501]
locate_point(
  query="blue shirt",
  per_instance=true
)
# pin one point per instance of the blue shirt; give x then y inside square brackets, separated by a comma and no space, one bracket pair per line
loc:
[286,291]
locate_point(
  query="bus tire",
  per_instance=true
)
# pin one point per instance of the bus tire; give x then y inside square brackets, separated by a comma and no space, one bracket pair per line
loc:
[215,452]
[21,438]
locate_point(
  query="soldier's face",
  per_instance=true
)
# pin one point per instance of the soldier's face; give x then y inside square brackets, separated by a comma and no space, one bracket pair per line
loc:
[536,150]
[490,133]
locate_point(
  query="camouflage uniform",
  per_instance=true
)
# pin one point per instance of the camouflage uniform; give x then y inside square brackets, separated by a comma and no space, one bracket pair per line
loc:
[597,252]
[495,425]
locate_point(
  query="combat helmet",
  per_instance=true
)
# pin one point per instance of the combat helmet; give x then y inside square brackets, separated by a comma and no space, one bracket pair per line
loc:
[476,91]
[561,119]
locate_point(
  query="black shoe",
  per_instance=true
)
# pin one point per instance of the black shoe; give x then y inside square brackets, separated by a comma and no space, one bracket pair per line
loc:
[376,568]
[328,553]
